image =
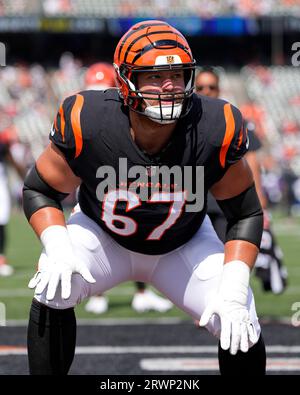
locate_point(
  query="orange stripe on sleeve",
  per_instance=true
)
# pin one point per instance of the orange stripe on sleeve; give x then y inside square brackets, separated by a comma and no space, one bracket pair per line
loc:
[75,122]
[62,122]
[229,133]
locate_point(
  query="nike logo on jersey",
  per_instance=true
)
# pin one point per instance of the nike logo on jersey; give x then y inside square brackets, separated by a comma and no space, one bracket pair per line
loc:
[52,130]
[247,142]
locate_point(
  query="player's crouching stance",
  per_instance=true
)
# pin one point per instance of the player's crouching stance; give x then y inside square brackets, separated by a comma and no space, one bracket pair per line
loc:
[153,120]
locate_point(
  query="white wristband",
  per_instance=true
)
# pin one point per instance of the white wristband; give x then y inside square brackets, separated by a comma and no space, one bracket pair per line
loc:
[55,238]
[235,282]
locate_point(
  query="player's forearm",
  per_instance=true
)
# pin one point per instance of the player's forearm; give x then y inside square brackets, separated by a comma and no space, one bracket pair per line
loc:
[242,251]
[45,217]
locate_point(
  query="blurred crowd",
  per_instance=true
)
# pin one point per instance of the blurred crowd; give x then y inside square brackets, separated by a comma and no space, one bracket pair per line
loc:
[30,96]
[133,8]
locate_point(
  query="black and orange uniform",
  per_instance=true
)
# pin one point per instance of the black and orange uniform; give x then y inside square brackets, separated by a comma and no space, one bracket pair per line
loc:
[92,129]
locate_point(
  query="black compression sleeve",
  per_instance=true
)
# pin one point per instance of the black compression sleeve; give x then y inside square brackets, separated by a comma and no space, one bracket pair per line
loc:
[244,215]
[38,194]
[251,363]
[51,339]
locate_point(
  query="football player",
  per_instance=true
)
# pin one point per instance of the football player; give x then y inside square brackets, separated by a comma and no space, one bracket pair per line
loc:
[7,140]
[101,76]
[269,267]
[132,221]
[5,268]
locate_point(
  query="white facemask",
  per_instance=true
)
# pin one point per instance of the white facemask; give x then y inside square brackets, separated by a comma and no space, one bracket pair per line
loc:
[153,112]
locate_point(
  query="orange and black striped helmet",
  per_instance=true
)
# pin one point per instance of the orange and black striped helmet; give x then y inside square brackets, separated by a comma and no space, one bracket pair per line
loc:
[152,46]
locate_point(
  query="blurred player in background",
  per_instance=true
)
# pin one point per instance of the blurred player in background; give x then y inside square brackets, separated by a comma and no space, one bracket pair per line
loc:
[7,139]
[269,266]
[101,76]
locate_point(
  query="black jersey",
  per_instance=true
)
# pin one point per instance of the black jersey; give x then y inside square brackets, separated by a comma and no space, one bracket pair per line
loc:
[92,129]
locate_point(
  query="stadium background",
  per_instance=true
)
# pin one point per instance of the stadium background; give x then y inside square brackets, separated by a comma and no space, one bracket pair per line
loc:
[49,45]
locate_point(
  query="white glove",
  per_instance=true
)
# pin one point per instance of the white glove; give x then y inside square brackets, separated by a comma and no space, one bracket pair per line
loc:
[61,264]
[230,303]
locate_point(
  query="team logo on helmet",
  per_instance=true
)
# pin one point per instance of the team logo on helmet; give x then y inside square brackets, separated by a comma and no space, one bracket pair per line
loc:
[170,59]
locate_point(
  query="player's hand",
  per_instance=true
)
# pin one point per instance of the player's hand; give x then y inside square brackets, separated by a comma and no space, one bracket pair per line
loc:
[60,265]
[230,304]
[237,331]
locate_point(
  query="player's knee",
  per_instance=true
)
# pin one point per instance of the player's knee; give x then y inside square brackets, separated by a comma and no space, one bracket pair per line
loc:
[210,269]
[84,239]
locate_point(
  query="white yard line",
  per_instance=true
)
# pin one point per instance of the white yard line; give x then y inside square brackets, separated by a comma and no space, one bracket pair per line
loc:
[211,364]
[142,321]
[102,350]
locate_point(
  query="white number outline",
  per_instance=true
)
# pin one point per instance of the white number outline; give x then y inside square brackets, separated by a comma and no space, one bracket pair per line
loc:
[177,200]
[109,216]
[158,232]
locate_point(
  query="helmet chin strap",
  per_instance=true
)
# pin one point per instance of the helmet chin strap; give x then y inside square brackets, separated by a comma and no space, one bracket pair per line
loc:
[162,114]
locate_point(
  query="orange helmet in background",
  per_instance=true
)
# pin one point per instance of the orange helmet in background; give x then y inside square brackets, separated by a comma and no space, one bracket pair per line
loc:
[154,46]
[100,76]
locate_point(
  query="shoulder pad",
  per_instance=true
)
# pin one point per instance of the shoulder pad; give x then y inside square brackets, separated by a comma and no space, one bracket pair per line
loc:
[225,129]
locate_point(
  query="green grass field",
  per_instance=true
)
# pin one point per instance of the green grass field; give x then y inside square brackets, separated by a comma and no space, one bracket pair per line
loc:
[24,249]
